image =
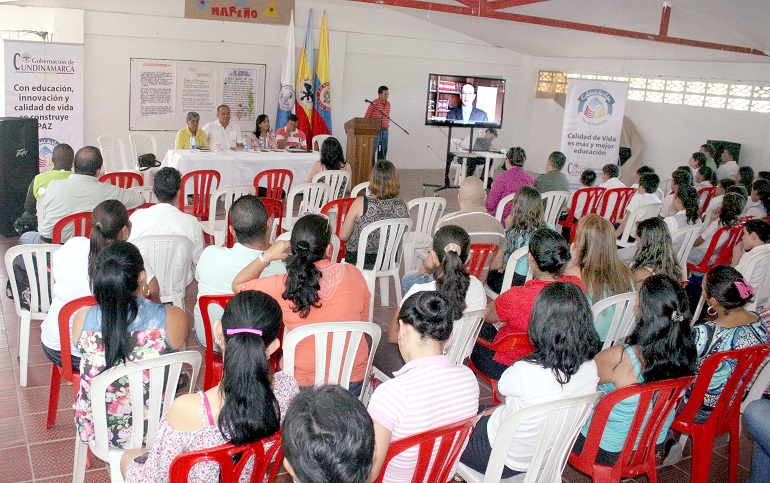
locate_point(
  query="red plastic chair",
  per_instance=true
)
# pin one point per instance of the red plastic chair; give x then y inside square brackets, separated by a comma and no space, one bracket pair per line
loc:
[65,371]
[592,196]
[214,364]
[506,344]
[277,182]
[659,399]
[203,184]
[619,198]
[341,206]
[705,195]
[726,415]
[81,222]
[480,256]
[123,179]
[275,208]
[266,454]
[451,440]
[725,252]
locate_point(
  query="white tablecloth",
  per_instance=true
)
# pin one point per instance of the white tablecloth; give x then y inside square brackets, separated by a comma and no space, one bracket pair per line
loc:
[238,167]
[489,168]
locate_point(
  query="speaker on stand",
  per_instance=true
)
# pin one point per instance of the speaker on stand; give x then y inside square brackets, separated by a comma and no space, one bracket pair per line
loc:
[18,167]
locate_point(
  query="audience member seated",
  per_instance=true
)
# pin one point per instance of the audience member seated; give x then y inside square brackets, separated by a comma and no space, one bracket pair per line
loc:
[327,436]
[728,168]
[509,181]
[726,293]
[763,175]
[289,136]
[553,179]
[705,178]
[654,253]
[696,161]
[722,186]
[313,290]
[730,211]
[759,202]
[218,266]
[332,158]
[62,158]
[756,236]
[73,267]
[184,135]
[165,218]
[80,192]
[756,416]
[587,180]
[244,407]
[220,133]
[260,138]
[525,218]
[610,180]
[645,195]
[123,327]
[510,312]
[709,151]
[382,203]
[428,392]
[679,178]
[595,261]
[745,177]
[685,209]
[562,334]
[473,218]
[659,348]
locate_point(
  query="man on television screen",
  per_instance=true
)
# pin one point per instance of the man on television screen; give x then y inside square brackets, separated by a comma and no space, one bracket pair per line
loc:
[466,112]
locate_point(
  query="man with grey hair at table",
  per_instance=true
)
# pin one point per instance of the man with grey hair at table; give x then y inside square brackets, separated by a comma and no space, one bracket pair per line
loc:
[191,131]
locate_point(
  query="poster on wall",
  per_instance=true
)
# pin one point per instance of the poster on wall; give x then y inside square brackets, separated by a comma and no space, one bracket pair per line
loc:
[593,119]
[164,91]
[274,12]
[45,80]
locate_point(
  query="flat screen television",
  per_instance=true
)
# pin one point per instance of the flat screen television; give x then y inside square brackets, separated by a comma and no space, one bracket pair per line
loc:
[469,101]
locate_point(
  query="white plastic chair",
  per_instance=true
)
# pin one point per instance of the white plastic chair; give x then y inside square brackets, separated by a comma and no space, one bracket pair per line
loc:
[559,423]
[171,258]
[665,186]
[318,141]
[420,237]
[390,233]
[554,201]
[143,143]
[338,181]
[162,374]
[114,154]
[358,188]
[639,214]
[758,387]
[314,197]
[465,331]
[685,237]
[336,341]
[36,259]
[146,192]
[335,241]
[510,269]
[217,228]
[501,206]
[623,318]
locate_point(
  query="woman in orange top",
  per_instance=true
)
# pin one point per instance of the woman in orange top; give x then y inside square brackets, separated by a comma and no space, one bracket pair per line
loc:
[314,289]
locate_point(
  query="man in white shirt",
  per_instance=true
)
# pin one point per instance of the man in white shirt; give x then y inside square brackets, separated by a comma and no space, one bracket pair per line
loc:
[221,132]
[756,235]
[218,266]
[729,166]
[610,180]
[164,218]
[645,195]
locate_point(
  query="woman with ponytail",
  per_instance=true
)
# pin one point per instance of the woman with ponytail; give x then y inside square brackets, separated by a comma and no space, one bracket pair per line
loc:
[73,269]
[313,289]
[246,406]
[124,326]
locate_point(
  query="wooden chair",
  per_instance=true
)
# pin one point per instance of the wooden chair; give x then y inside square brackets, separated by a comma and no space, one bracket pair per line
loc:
[123,179]
[277,182]
[337,210]
[203,181]
[80,223]
[480,257]
[656,399]
[36,259]
[439,449]
[65,371]
[161,375]
[726,415]
[614,202]
[588,200]
[261,459]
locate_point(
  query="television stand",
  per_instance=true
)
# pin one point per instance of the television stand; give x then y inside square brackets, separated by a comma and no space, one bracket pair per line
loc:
[449,160]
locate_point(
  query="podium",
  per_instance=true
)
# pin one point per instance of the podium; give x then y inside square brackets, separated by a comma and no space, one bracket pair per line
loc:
[361,133]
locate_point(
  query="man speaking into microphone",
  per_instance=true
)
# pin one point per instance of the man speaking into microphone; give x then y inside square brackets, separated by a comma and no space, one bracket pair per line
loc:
[380,109]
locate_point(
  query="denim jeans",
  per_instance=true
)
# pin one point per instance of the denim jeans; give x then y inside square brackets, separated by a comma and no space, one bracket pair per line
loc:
[756,416]
[380,146]
[414,277]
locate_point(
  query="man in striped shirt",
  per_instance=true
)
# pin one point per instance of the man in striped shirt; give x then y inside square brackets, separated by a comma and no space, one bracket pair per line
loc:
[380,109]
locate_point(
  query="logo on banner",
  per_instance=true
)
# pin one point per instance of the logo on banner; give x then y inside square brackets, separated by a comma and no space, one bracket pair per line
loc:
[286,98]
[24,62]
[46,151]
[324,96]
[595,106]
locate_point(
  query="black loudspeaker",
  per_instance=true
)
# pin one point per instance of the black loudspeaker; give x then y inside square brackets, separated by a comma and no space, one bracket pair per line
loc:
[720,146]
[18,167]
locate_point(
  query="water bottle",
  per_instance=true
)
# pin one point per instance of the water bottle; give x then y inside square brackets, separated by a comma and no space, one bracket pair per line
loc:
[261,142]
[245,142]
[192,143]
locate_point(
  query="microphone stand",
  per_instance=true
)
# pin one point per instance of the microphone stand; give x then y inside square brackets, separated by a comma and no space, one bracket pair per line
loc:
[385,115]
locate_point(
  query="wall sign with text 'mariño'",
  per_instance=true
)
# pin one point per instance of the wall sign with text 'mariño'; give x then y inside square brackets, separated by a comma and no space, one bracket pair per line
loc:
[275,12]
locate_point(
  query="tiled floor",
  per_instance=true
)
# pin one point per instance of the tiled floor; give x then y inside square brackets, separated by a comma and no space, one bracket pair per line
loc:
[30,452]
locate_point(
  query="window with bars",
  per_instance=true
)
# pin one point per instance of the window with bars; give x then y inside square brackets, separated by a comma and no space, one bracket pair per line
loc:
[719,95]
[31,35]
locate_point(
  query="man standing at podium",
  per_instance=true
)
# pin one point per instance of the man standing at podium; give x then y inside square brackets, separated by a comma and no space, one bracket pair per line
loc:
[380,109]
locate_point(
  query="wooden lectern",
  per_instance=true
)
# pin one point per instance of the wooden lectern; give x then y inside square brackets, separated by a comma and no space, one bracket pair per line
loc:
[361,133]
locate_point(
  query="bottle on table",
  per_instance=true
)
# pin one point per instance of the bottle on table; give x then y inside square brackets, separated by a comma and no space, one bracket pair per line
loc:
[245,142]
[192,143]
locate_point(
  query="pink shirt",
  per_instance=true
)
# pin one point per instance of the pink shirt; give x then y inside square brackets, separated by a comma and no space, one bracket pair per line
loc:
[506,183]
[426,393]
